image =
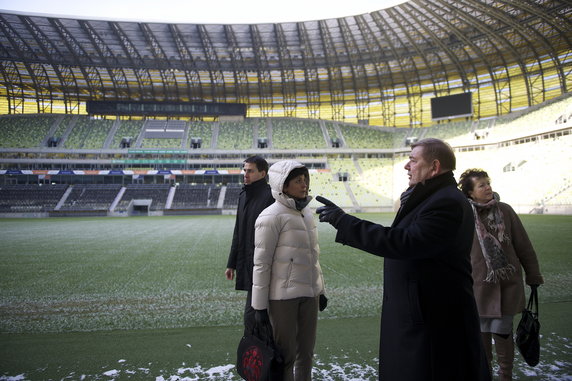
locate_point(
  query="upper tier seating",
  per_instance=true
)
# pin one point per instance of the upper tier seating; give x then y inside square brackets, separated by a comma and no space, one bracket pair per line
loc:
[327,185]
[373,187]
[25,131]
[126,129]
[163,134]
[367,137]
[448,131]
[203,130]
[235,135]
[88,133]
[297,134]
[161,143]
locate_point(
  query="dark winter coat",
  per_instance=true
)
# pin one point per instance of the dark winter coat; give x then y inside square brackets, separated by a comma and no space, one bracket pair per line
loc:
[429,320]
[506,297]
[253,199]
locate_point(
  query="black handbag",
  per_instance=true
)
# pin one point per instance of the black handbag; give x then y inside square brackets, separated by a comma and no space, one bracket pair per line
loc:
[258,357]
[528,331]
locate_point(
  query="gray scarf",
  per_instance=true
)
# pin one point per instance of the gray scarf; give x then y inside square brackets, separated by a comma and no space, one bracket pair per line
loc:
[302,203]
[490,228]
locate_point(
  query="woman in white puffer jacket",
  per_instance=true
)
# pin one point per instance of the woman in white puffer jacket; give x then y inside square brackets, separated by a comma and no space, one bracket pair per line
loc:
[288,286]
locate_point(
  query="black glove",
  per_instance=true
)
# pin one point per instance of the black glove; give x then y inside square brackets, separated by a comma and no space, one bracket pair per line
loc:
[261,317]
[323,302]
[330,212]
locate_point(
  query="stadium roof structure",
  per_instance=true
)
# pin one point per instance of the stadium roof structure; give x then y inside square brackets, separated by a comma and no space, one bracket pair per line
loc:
[379,68]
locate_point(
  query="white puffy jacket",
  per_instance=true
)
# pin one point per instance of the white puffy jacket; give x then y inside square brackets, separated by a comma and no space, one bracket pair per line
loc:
[286,251]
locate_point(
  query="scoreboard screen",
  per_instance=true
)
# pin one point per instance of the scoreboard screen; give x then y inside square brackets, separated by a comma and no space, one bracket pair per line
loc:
[452,106]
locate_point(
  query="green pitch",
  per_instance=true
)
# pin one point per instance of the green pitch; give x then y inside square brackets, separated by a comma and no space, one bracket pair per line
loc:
[148,296]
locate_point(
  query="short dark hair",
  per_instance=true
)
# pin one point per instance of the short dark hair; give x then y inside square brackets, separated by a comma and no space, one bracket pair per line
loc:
[261,163]
[466,180]
[297,172]
[436,149]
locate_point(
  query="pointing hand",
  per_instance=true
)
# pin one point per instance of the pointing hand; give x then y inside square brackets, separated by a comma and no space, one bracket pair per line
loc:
[330,213]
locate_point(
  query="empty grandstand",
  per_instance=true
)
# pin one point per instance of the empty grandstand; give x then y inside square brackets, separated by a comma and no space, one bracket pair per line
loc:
[364,174]
[344,96]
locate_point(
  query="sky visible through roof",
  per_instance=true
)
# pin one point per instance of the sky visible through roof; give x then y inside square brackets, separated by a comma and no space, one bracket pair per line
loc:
[199,12]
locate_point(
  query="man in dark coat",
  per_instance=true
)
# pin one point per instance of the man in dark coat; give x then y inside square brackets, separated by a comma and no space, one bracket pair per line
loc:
[429,320]
[253,199]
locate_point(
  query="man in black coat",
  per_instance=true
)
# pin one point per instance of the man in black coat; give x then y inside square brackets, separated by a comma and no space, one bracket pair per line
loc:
[254,198]
[429,322]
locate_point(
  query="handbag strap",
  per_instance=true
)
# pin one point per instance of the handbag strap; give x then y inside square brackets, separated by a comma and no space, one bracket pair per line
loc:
[533,300]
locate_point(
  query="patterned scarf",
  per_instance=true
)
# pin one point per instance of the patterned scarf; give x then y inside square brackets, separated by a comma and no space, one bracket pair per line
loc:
[490,228]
